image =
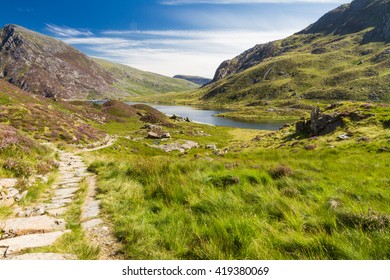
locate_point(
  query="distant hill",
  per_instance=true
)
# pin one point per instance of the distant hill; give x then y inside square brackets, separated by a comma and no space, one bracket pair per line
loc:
[45,66]
[195,79]
[344,55]
[137,82]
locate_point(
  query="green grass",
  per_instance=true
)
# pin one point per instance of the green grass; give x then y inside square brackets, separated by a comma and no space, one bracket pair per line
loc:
[171,208]
[140,83]
[299,75]
[261,200]
[74,242]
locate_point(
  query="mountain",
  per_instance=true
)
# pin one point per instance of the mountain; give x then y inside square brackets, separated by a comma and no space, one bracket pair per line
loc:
[194,79]
[43,65]
[48,67]
[139,82]
[344,55]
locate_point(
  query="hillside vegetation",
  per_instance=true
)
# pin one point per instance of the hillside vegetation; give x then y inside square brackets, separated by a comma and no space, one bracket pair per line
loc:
[48,67]
[345,55]
[260,195]
[137,82]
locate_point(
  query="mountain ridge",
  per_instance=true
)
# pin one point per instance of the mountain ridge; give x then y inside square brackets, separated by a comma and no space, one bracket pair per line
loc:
[46,66]
[323,61]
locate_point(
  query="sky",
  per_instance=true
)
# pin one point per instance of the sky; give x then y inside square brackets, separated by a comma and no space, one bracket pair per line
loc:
[169,37]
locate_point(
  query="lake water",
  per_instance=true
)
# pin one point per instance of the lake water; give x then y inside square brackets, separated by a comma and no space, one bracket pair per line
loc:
[207,117]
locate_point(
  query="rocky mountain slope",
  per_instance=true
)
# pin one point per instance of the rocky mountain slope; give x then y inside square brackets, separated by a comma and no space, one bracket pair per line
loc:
[344,55]
[194,79]
[43,65]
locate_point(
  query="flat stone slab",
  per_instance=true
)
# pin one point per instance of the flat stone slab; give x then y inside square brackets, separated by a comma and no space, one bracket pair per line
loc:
[37,224]
[91,224]
[54,205]
[65,186]
[42,257]
[8,182]
[30,241]
[65,192]
[62,201]
[70,181]
[57,212]
[91,210]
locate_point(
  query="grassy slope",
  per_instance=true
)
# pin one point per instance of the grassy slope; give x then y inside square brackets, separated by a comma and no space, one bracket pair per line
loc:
[335,74]
[26,121]
[137,82]
[298,80]
[330,200]
[45,119]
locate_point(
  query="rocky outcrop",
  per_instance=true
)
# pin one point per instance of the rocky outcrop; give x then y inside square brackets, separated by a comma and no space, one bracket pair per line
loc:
[322,123]
[355,17]
[48,67]
[246,60]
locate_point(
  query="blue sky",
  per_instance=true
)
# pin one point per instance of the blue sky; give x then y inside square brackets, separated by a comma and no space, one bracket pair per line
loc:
[166,36]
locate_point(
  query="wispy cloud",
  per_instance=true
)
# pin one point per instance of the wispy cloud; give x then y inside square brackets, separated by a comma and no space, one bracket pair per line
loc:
[65,31]
[235,2]
[172,52]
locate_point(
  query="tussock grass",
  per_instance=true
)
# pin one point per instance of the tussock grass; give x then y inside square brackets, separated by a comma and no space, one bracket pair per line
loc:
[167,207]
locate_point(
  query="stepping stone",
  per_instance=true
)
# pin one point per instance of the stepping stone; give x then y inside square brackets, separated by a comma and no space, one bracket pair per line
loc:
[69,181]
[62,201]
[54,205]
[66,192]
[91,210]
[37,224]
[43,256]
[57,212]
[91,224]
[66,186]
[30,241]
[63,197]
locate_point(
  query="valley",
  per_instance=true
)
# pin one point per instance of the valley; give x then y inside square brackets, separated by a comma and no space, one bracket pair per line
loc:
[295,166]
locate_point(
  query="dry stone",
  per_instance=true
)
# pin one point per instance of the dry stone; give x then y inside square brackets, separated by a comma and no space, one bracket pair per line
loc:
[20,243]
[38,224]
[43,256]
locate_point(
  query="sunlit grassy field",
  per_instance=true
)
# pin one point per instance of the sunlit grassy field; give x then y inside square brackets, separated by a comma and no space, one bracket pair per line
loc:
[319,199]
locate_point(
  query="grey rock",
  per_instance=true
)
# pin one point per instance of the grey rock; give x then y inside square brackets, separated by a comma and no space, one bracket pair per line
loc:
[211,147]
[91,210]
[8,182]
[39,224]
[91,224]
[343,137]
[153,135]
[43,256]
[30,241]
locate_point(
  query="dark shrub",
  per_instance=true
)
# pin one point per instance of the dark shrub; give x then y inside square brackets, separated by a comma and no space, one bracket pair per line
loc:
[280,171]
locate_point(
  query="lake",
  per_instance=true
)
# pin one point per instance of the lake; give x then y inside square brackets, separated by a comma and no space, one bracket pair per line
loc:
[207,117]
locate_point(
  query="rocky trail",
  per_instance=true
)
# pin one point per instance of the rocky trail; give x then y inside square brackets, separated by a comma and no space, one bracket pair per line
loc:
[43,224]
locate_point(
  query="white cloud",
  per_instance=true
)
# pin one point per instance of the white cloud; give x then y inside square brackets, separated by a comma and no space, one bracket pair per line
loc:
[67,31]
[229,2]
[171,52]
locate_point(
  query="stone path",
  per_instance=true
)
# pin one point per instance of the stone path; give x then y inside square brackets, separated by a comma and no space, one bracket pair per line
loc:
[41,225]
[97,231]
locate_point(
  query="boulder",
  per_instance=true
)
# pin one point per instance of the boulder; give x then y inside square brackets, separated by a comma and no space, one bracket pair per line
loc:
[211,147]
[153,135]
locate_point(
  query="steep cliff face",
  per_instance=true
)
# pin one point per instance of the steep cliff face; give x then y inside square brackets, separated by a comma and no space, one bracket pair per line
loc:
[48,67]
[246,60]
